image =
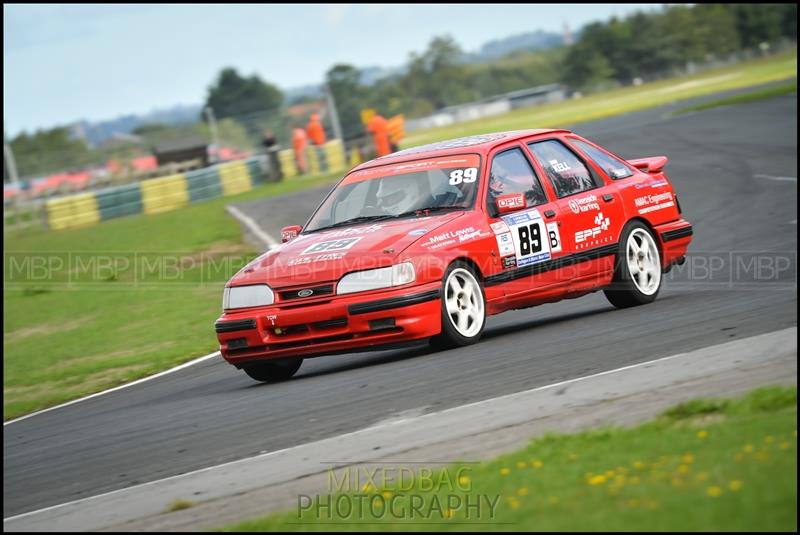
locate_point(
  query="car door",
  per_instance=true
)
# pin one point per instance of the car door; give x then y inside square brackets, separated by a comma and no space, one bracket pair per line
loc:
[525,223]
[591,209]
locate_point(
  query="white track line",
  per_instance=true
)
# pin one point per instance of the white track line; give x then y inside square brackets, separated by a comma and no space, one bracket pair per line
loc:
[252,226]
[126,385]
[778,178]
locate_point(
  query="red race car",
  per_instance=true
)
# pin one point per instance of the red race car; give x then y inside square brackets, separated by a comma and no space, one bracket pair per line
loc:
[427,242]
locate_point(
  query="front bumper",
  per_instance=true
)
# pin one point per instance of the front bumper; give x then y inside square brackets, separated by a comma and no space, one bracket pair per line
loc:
[338,324]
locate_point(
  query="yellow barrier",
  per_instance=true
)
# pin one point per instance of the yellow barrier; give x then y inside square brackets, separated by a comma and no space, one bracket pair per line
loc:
[73,211]
[235,178]
[288,165]
[334,154]
[355,157]
[164,194]
[313,160]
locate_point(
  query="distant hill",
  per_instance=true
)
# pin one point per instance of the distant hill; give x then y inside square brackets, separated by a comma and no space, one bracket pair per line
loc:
[525,41]
[95,133]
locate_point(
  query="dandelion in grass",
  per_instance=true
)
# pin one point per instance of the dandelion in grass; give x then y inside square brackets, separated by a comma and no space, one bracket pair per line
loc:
[735,485]
[597,480]
[748,448]
[536,463]
[687,458]
[702,435]
[683,469]
[504,471]
[522,491]
[714,491]
[784,445]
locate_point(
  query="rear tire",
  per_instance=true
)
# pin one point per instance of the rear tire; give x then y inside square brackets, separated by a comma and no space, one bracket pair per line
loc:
[463,307]
[637,273]
[273,371]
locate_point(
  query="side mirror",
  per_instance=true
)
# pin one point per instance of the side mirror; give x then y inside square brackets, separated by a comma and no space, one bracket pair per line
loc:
[290,232]
[510,202]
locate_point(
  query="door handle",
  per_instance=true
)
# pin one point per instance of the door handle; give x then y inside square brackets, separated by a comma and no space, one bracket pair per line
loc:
[608,197]
[549,213]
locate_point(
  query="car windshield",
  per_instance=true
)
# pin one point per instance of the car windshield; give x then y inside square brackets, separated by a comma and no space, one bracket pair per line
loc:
[399,190]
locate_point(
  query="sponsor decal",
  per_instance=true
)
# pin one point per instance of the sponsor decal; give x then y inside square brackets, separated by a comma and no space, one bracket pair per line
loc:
[583,204]
[331,245]
[651,203]
[499,227]
[511,201]
[319,258]
[601,224]
[554,237]
[654,184]
[452,236]
[509,262]
[530,237]
[505,244]
[418,232]
[287,235]
[559,167]
[352,231]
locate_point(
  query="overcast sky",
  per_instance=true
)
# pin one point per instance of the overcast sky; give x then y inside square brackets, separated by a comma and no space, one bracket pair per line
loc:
[62,63]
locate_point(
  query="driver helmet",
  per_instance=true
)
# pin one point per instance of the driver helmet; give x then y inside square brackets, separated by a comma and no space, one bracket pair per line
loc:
[397,196]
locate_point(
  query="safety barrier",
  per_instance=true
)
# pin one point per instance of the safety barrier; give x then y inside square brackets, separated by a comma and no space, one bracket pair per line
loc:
[153,196]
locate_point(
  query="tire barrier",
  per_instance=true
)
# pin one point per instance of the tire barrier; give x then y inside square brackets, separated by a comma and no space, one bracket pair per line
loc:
[73,211]
[153,196]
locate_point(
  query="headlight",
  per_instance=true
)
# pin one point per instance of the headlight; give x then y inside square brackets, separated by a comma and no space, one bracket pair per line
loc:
[373,279]
[255,295]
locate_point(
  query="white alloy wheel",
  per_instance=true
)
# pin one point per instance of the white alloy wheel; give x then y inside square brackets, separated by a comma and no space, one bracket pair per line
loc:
[464,302]
[644,262]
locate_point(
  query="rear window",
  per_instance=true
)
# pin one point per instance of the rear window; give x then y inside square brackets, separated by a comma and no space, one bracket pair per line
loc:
[613,167]
[565,170]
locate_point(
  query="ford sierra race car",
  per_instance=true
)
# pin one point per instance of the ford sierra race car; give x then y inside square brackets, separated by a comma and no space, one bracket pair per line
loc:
[425,243]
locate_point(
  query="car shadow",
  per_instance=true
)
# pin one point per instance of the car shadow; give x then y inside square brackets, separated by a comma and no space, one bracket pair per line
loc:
[378,358]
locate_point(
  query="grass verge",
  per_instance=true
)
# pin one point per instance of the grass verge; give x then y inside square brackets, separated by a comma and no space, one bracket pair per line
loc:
[705,465]
[625,100]
[91,308]
[753,96]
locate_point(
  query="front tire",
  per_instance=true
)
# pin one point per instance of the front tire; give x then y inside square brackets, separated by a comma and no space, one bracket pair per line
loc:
[637,273]
[273,371]
[463,307]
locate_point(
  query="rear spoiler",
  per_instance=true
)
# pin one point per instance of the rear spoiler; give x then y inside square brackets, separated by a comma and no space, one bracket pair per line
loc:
[652,164]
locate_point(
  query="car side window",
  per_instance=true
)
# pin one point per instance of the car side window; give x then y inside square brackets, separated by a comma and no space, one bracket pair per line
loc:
[512,173]
[565,170]
[614,167]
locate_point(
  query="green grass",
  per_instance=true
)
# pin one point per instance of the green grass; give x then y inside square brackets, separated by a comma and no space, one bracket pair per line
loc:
[704,466]
[625,100]
[148,302]
[763,94]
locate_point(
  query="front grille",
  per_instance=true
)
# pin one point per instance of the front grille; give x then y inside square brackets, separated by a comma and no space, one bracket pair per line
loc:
[302,293]
[233,326]
[329,324]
